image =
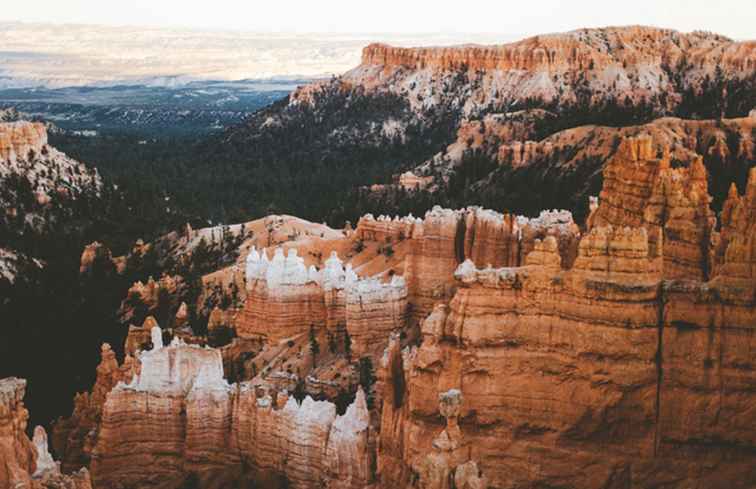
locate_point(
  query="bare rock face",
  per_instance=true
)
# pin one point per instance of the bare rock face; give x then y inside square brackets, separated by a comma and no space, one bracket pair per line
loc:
[191,421]
[18,138]
[446,238]
[619,355]
[449,459]
[25,464]
[173,382]
[616,62]
[286,299]
[283,297]
[649,327]
[148,294]
[373,311]
[384,229]
[18,453]
[74,437]
[672,204]
[46,466]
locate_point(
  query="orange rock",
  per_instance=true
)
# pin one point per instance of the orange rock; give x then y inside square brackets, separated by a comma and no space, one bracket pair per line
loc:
[25,464]
[18,138]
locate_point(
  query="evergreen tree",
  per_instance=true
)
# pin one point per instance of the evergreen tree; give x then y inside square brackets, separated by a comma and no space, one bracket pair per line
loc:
[314,345]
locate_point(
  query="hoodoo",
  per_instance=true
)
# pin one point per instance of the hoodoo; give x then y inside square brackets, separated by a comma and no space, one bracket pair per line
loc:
[573,307]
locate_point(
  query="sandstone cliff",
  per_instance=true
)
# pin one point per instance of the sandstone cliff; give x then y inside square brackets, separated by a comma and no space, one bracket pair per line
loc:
[25,464]
[512,351]
[619,368]
[180,412]
[635,62]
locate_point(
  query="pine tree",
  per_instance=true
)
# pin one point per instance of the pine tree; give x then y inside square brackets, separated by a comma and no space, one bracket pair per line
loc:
[314,345]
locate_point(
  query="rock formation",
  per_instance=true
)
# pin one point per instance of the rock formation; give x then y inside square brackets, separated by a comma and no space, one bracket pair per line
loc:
[25,464]
[631,334]
[18,453]
[191,421]
[74,437]
[17,139]
[446,238]
[671,203]
[614,61]
[286,299]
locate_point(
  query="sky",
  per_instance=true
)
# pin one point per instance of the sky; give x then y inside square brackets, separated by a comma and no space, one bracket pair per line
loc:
[734,18]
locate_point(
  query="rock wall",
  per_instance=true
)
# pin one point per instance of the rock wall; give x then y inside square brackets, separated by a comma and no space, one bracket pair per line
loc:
[18,456]
[384,229]
[626,368]
[25,464]
[446,238]
[180,417]
[577,50]
[641,189]
[18,138]
[285,299]
[374,310]
[635,61]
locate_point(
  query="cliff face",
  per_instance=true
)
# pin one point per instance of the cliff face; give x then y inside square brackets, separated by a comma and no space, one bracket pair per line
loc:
[578,50]
[74,438]
[180,416]
[37,183]
[546,355]
[454,121]
[286,299]
[446,238]
[618,368]
[17,139]
[18,454]
[24,151]
[27,464]
[672,204]
[635,62]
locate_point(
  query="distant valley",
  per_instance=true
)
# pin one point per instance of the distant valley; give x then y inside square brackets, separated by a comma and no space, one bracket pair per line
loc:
[143,110]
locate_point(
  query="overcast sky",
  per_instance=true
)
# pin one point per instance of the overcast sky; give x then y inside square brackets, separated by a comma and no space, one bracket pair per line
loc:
[734,18]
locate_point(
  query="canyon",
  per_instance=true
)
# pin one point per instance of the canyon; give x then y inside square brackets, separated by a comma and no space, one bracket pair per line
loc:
[605,343]
[509,352]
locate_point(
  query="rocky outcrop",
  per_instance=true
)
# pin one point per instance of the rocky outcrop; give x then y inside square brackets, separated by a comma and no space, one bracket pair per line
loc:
[374,310]
[148,294]
[17,139]
[74,437]
[384,229]
[579,49]
[555,363]
[173,383]
[191,421]
[26,464]
[642,189]
[447,238]
[623,61]
[18,459]
[95,254]
[449,465]
[285,299]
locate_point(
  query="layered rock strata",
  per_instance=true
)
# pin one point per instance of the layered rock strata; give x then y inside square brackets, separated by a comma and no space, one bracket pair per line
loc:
[286,299]
[641,189]
[627,367]
[27,464]
[191,421]
[447,238]
[17,139]
[635,62]
[74,437]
